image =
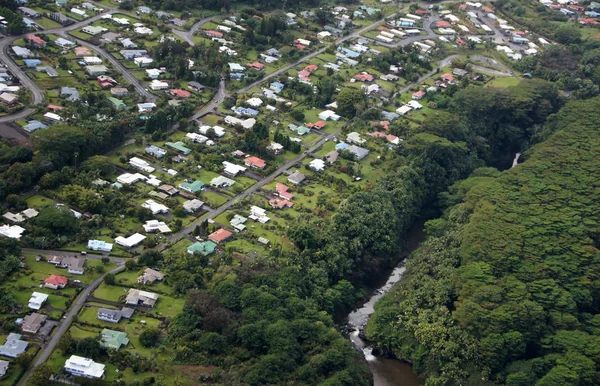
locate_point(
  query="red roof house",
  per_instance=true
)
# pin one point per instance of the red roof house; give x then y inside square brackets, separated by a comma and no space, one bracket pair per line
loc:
[487,10]
[442,24]
[422,12]
[256,65]
[36,40]
[579,8]
[82,51]
[311,67]
[282,191]
[383,124]
[179,93]
[255,162]
[56,281]
[220,235]
[317,125]
[418,95]
[238,153]
[461,42]
[55,108]
[447,77]
[280,204]
[588,21]
[364,77]
[213,33]
[299,46]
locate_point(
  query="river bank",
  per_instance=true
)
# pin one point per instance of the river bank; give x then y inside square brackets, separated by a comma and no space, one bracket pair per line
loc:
[386,371]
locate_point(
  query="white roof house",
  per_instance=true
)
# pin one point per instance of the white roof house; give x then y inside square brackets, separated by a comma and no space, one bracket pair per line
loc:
[99,245]
[155,207]
[130,241]
[158,85]
[218,130]
[403,110]
[52,117]
[92,60]
[141,164]
[317,165]
[233,169]
[254,102]
[258,214]
[142,61]
[328,114]
[11,231]
[84,367]
[156,226]
[415,105]
[355,137]
[235,67]
[143,30]
[245,123]
[128,178]
[36,300]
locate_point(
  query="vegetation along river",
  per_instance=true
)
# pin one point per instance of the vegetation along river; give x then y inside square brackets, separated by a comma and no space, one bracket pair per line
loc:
[386,371]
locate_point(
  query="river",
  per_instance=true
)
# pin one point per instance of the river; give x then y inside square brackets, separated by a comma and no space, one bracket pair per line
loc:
[386,371]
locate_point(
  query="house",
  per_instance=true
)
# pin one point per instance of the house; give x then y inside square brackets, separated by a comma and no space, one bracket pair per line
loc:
[255,162]
[359,152]
[99,245]
[195,86]
[158,85]
[129,179]
[169,190]
[56,282]
[447,78]
[37,300]
[32,323]
[364,77]
[192,206]
[332,156]
[29,12]
[22,52]
[213,34]
[143,30]
[48,70]
[204,248]
[4,368]
[220,235]
[179,93]
[146,107]
[296,178]
[414,105]
[64,43]
[71,93]
[418,95]
[84,367]
[317,165]
[114,316]
[34,125]
[143,61]
[82,51]
[36,41]
[218,130]
[130,241]
[221,182]
[132,54]
[139,297]
[155,151]
[319,125]
[460,72]
[32,63]
[155,207]
[93,30]
[235,67]
[256,65]
[92,60]
[354,137]
[258,214]
[179,146]
[152,226]
[11,231]
[150,276]
[233,169]
[119,91]
[96,70]
[14,346]
[192,187]
[113,339]
[277,87]
[8,98]
[275,147]
[328,114]
[74,265]
[21,216]
[79,12]
[145,10]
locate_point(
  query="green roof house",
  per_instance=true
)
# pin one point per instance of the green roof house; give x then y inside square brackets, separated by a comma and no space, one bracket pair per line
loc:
[205,248]
[114,339]
[300,130]
[179,146]
[192,187]
[117,103]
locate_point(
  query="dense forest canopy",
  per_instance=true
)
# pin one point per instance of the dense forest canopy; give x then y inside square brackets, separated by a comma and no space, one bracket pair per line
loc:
[506,290]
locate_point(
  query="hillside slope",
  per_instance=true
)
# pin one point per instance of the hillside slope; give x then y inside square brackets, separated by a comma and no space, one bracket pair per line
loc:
[506,289]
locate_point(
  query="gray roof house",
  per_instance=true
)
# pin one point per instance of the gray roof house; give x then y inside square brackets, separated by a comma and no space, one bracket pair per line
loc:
[34,125]
[3,368]
[296,178]
[14,346]
[114,316]
[71,92]
[156,151]
[131,54]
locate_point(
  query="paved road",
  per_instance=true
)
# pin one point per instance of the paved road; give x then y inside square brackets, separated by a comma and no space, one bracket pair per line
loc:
[188,35]
[66,323]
